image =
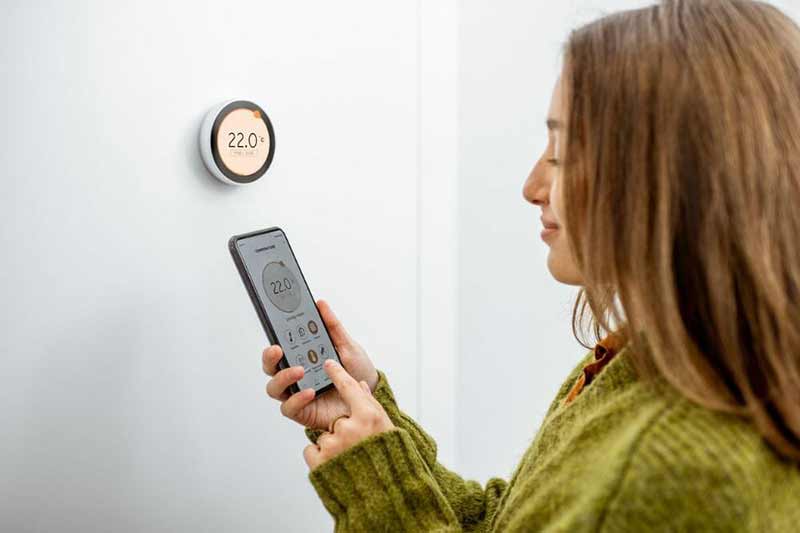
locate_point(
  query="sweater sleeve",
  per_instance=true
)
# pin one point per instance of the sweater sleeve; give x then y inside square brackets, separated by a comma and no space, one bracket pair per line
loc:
[382,484]
[459,504]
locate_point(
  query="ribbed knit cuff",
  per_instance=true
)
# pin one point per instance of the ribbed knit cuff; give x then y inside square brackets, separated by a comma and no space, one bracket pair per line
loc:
[382,484]
[425,444]
[383,392]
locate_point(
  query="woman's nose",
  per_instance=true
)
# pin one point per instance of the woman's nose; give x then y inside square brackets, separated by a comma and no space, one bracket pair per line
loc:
[537,187]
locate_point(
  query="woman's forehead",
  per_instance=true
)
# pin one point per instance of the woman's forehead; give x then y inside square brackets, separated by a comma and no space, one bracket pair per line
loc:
[555,111]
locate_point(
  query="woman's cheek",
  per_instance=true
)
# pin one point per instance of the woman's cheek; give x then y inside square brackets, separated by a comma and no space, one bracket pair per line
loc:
[555,199]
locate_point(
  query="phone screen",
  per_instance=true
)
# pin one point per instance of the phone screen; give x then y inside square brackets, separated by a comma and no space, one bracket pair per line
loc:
[284,295]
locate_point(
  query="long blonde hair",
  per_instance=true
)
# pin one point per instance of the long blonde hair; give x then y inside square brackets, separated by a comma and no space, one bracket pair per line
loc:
[681,187]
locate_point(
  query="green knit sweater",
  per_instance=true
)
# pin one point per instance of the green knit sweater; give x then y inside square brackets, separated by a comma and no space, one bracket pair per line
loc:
[622,456]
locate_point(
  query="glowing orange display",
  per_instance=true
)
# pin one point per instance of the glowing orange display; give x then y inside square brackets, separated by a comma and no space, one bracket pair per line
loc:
[243,141]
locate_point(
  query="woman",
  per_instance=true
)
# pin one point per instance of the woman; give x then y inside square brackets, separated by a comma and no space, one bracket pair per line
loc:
[670,192]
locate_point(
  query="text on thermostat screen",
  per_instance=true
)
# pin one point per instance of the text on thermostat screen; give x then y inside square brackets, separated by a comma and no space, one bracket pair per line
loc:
[243,141]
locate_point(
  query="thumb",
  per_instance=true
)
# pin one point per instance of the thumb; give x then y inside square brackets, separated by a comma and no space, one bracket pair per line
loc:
[339,335]
[370,396]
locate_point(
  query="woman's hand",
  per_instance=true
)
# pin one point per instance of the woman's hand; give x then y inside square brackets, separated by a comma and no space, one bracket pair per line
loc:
[299,407]
[367,418]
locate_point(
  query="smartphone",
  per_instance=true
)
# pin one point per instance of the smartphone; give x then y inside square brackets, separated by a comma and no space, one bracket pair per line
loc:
[284,304]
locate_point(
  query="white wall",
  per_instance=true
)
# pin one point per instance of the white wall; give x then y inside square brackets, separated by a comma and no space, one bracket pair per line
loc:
[132,392]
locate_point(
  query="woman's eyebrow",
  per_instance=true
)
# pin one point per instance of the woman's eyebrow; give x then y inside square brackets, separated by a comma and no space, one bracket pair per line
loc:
[553,124]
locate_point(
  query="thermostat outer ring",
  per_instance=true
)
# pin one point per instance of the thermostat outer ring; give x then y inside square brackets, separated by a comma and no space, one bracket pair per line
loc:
[208,147]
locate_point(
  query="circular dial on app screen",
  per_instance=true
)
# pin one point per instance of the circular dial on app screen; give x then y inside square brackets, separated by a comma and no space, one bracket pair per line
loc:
[281,286]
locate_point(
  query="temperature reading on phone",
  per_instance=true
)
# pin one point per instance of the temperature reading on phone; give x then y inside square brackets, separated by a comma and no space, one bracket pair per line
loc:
[278,287]
[281,286]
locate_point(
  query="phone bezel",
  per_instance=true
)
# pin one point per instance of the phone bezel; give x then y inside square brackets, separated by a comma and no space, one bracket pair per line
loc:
[283,363]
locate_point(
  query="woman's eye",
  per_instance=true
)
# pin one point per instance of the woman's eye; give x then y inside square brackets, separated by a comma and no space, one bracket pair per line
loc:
[553,161]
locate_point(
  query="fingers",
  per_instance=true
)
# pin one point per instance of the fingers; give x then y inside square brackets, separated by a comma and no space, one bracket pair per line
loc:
[371,398]
[269,359]
[349,389]
[339,335]
[327,444]
[326,439]
[276,387]
[352,429]
[296,402]
[312,455]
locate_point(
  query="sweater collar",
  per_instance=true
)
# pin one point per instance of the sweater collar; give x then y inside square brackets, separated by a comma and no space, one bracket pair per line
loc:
[604,352]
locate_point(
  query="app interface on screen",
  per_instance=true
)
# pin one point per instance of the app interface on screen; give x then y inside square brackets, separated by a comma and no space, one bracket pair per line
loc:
[290,308]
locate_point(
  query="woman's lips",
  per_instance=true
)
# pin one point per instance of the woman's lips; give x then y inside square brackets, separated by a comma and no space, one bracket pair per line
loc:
[550,228]
[549,232]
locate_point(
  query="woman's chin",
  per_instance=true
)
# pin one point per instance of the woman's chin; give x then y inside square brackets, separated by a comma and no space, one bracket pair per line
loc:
[561,268]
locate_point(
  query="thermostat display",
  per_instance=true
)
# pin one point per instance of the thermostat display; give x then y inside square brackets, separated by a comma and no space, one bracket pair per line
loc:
[237,142]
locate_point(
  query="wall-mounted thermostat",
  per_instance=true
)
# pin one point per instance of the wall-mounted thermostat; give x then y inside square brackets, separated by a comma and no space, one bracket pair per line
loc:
[237,142]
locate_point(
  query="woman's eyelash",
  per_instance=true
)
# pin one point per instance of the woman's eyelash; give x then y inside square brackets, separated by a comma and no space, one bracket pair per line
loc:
[552,160]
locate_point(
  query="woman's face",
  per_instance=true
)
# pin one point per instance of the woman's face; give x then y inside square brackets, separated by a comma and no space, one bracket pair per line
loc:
[542,189]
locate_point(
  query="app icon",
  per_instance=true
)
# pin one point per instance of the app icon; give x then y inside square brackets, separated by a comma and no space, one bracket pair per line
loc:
[289,335]
[312,327]
[312,356]
[301,331]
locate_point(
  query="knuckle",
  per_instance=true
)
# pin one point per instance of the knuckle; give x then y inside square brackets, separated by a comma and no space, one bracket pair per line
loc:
[273,388]
[374,417]
[284,377]
[344,426]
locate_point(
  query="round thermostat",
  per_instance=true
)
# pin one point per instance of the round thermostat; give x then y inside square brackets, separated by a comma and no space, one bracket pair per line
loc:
[237,142]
